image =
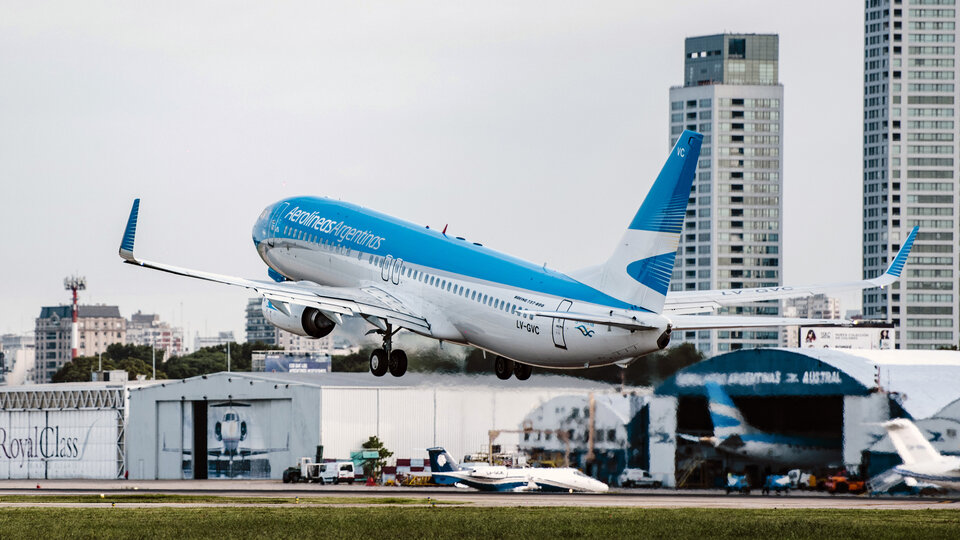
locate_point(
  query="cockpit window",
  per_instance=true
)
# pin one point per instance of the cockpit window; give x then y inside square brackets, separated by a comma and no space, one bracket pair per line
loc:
[230,417]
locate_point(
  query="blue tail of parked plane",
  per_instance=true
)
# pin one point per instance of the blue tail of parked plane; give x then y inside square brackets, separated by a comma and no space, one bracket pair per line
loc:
[727,419]
[640,269]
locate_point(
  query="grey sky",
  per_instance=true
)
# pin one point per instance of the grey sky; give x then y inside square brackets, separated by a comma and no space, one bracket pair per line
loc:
[533,127]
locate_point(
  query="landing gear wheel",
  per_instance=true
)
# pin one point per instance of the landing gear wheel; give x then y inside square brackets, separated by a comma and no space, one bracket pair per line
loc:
[398,362]
[522,371]
[378,362]
[503,368]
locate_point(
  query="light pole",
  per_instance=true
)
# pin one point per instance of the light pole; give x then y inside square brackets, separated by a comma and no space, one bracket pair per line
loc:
[153,354]
[228,357]
[74,283]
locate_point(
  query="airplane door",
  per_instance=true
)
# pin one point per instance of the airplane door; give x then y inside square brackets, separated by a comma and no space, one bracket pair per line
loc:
[558,325]
[275,222]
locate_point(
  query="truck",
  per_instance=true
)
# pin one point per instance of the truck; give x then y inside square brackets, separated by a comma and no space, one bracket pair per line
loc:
[332,472]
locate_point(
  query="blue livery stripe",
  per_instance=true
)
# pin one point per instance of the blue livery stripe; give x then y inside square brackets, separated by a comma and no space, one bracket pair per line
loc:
[716,394]
[722,421]
[665,206]
[654,272]
[130,232]
[898,263]
[418,245]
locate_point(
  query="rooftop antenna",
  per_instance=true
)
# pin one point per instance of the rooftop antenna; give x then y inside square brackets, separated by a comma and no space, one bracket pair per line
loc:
[74,283]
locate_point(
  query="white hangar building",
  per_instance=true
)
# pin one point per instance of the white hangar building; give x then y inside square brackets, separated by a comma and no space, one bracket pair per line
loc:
[254,425]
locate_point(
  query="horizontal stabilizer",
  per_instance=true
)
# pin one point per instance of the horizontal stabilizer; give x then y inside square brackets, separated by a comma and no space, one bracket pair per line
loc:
[708,322]
[687,302]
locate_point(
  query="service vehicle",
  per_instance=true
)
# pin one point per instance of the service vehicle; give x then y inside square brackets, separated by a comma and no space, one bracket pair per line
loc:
[778,483]
[637,478]
[333,472]
[738,483]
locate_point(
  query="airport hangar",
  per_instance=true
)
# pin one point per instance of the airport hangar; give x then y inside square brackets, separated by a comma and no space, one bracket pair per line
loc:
[829,393]
[181,428]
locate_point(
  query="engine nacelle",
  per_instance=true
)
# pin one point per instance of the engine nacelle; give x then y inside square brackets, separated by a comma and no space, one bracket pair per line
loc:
[303,321]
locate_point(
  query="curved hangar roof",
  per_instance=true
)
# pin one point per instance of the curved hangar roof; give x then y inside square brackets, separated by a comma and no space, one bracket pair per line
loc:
[924,381]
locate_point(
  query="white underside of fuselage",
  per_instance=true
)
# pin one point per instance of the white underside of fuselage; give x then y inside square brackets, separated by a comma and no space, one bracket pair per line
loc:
[460,318]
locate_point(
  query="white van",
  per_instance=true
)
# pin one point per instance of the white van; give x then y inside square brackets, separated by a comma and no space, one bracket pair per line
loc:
[336,472]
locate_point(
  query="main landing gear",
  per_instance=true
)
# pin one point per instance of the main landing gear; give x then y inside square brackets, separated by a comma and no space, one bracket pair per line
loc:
[504,368]
[388,358]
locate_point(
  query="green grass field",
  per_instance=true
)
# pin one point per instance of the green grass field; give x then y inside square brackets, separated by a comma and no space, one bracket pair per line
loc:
[146,498]
[470,522]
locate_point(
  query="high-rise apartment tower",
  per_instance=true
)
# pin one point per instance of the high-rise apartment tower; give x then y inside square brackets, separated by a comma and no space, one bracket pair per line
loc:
[731,237]
[910,166]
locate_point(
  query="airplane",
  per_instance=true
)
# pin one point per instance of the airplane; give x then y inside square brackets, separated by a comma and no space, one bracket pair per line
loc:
[733,435]
[230,430]
[329,259]
[921,461]
[446,471]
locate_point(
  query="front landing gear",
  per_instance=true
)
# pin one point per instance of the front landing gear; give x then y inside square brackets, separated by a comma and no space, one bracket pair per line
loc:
[388,358]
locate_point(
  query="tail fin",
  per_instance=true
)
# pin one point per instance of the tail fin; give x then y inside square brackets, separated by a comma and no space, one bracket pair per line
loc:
[726,417]
[640,269]
[440,461]
[910,443]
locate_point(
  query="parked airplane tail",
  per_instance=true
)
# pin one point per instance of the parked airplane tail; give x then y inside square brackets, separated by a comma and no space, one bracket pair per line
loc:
[910,443]
[640,269]
[726,417]
[440,461]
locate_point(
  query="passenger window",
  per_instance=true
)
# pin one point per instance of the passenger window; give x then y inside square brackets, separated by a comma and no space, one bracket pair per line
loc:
[473,295]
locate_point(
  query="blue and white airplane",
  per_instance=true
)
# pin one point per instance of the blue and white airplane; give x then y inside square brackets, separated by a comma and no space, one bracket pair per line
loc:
[446,472]
[921,461]
[733,435]
[330,259]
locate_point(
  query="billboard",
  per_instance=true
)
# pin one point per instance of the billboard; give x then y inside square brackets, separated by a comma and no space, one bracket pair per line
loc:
[865,337]
[59,444]
[301,362]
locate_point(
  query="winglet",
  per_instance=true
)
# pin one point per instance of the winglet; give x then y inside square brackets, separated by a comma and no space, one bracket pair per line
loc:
[901,259]
[130,233]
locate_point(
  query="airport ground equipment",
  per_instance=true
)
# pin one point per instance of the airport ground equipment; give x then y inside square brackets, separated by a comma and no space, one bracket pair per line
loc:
[801,480]
[844,482]
[738,483]
[637,478]
[333,472]
[778,483]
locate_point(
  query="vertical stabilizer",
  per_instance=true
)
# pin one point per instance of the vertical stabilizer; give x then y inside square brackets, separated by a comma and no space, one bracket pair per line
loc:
[440,461]
[726,417]
[910,443]
[640,269]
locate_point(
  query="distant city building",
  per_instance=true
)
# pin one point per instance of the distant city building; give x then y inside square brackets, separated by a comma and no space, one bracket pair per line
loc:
[222,338]
[258,329]
[731,237]
[910,167]
[18,358]
[148,329]
[97,327]
[818,306]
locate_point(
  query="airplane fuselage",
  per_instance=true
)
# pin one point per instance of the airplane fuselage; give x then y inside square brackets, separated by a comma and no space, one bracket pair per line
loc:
[470,294]
[944,473]
[765,448]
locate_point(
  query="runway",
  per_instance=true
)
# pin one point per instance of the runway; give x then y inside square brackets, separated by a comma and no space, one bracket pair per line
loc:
[356,495]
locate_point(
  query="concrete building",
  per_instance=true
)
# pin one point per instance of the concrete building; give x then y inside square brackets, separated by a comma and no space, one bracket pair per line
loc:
[817,306]
[910,167]
[731,237]
[222,338]
[149,330]
[258,329]
[19,358]
[97,327]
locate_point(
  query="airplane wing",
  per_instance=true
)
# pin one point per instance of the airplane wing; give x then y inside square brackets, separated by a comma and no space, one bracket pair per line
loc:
[684,302]
[376,305]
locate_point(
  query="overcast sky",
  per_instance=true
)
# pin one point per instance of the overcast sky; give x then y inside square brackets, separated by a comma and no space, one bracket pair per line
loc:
[533,127]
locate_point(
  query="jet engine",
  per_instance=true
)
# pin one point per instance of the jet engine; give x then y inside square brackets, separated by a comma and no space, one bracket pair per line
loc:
[303,321]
